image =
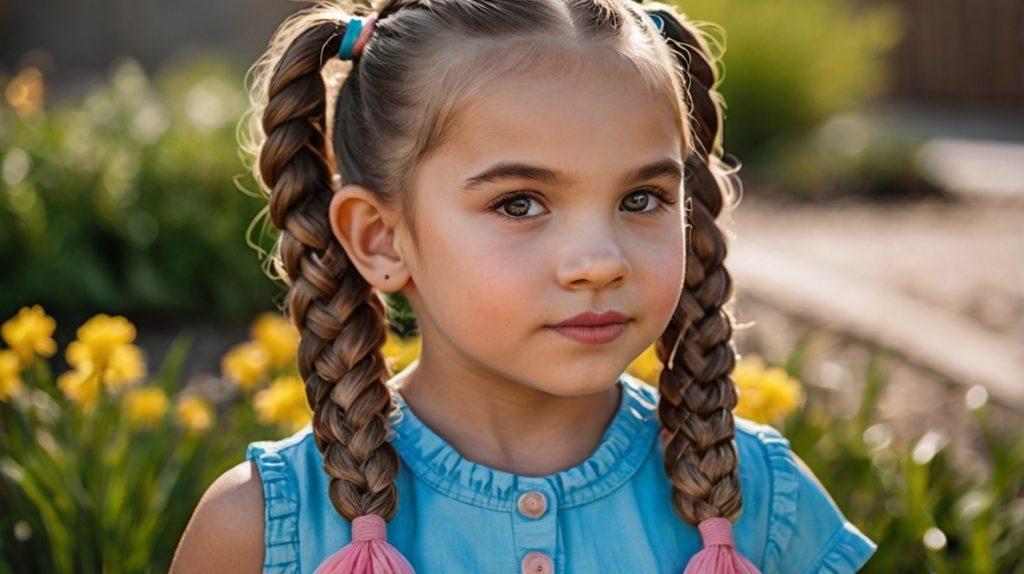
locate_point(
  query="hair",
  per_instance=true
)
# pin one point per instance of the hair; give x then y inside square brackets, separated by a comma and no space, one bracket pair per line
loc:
[390,112]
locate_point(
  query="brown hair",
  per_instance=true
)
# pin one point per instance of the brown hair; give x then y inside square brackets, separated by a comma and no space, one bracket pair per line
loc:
[389,115]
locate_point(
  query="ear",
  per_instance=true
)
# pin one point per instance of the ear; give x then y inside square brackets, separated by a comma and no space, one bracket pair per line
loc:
[365,227]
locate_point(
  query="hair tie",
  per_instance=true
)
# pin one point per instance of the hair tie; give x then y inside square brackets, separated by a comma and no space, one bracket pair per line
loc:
[368,552]
[659,23]
[719,555]
[357,32]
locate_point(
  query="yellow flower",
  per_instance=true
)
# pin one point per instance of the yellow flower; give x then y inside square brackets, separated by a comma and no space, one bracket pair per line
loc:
[104,357]
[99,339]
[284,402]
[145,405]
[277,337]
[195,413]
[400,353]
[82,387]
[126,366]
[30,333]
[26,92]
[246,364]
[646,367]
[767,395]
[10,375]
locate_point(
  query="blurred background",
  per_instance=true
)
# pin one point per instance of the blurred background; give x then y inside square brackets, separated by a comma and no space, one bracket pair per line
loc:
[878,256]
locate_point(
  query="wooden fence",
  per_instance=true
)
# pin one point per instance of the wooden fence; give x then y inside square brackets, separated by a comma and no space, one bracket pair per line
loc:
[961,50]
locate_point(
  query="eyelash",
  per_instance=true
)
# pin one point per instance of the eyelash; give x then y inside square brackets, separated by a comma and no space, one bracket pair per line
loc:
[664,200]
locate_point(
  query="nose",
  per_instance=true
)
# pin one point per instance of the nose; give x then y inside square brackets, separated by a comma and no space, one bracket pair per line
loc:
[595,264]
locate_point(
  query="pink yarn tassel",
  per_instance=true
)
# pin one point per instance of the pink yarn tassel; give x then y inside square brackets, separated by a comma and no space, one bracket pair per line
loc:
[719,555]
[368,553]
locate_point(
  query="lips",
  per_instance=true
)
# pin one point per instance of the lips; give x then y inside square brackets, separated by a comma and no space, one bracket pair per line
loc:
[593,319]
[593,328]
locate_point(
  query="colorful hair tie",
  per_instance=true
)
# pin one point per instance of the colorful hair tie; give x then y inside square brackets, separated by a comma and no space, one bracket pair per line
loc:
[357,32]
[659,23]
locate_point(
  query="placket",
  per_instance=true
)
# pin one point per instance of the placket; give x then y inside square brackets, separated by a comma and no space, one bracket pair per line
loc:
[535,526]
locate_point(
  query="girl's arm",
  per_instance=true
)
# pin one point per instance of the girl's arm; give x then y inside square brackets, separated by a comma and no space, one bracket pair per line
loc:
[225,533]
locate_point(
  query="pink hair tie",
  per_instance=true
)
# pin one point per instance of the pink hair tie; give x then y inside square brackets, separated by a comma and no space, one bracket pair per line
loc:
[719,555]
[368,553]
[364,35]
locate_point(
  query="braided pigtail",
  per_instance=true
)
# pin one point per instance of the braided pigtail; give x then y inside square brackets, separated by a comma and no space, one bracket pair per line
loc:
[697,394]
[341,320]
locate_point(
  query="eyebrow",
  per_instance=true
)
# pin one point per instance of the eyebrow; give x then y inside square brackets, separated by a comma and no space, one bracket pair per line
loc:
[504,171]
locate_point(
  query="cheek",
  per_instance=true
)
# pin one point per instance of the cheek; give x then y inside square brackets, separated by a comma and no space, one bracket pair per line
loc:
[663,274]
[464,267]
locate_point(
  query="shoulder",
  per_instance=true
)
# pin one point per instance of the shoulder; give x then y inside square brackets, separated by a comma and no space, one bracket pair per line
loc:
[287,467]
[806,530]
[225,533]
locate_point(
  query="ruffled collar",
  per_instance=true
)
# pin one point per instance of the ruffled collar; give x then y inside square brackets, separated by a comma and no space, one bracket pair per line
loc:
[624,446]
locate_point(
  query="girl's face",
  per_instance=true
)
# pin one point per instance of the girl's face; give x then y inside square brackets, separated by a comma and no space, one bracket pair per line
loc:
[555,196]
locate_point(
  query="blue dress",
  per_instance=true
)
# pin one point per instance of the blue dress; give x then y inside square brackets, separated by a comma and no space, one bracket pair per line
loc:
[612,513]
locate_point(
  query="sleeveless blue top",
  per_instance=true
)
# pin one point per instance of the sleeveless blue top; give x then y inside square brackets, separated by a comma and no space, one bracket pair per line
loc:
[612,513]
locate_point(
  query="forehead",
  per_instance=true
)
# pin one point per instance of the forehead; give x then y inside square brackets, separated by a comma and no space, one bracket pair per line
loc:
[591,122]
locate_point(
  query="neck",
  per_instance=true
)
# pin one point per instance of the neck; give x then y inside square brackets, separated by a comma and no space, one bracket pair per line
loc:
[507,426]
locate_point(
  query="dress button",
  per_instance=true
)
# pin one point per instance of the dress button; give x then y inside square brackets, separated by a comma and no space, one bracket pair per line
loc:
[537,563]
[533,504]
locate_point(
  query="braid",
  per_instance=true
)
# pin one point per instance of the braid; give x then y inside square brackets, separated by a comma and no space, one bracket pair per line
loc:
[697,394]
[340,318]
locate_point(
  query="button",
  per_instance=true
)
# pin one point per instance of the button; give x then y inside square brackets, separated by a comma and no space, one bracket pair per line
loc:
[533,504]
[538,563]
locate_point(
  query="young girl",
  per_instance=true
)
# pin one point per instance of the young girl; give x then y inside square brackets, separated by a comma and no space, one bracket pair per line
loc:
[540,179]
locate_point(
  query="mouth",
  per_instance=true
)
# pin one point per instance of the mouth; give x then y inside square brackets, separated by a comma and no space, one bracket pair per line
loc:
[593,328]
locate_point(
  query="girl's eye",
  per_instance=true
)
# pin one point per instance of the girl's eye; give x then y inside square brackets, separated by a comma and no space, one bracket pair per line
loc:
[520,206]
[645,200]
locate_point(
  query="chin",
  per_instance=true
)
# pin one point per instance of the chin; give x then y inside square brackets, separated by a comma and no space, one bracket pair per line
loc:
[582,384]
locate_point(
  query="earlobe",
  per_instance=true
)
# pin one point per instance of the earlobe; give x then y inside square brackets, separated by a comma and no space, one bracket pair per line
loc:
[365,227]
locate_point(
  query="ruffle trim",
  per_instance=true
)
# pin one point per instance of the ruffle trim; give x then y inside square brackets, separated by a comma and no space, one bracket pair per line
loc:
[280,489]
[785,493]
[616,459]
[847,551]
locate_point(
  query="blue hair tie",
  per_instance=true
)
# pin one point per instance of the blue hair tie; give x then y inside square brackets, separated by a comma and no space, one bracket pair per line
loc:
[658,22]
[348,41]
